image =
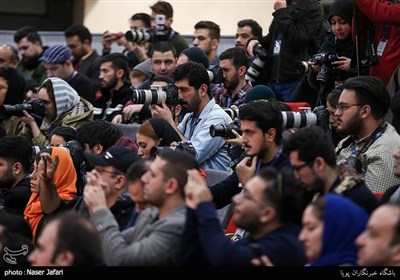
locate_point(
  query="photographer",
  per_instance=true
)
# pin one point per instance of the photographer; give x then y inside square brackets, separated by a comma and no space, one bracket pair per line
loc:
[136,52]
[192,82]
[293,33]
[62,107]
[335,59]
[233,63]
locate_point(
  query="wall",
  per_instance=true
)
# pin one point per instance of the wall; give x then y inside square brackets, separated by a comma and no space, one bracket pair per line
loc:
[113,15]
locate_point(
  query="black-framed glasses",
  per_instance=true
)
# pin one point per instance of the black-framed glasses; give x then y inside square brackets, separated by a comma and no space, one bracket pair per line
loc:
[297,168]
[101,170]
[343,107]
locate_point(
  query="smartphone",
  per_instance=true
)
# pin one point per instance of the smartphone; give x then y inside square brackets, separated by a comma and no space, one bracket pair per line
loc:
[160,23]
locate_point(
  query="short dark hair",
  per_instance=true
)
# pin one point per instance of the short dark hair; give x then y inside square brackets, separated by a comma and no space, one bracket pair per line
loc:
[78,30]
[78,235]
[256,29]
[118,61]
[136,170]
[163,78]
[311,142]
[17,149]
[215,30]
[29,32]
[164,8]
[98,132]
[334,95]
[162,47]
[285,193]
[178,163]
[265,114]
[371,91]
[145,18]
[195,73]
[66,132]
[237,55]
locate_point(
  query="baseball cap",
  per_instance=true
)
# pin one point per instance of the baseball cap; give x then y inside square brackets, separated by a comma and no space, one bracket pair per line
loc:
[56,54]
[116,156]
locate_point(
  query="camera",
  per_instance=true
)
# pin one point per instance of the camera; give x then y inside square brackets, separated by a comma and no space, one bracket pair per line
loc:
[319,116]
[302,67]
[225,130]
[215,74]
[327,71]
[139,35]
[232,112]
[72,147]
[33,107]
[148,34]
[184,146]
[257,65]
[156,95]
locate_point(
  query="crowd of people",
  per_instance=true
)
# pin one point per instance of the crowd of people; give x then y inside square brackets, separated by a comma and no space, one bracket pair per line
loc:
[303,187]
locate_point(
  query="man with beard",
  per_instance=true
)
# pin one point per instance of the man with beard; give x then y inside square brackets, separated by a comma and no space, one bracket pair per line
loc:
[233,63]
[115,88]
[313,159]
[192,81]
[31,49]
[15,166]
[371,142]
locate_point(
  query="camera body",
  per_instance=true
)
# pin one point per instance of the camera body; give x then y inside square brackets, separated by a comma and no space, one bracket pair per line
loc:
[225,130]
[327,70]
[72,147]
[184,146]
[156,95]
[258,64]
[215,74]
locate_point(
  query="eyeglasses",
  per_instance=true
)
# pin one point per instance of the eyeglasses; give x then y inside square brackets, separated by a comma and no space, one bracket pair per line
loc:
[101,170]
[246,196]
[343,107]
[297,168]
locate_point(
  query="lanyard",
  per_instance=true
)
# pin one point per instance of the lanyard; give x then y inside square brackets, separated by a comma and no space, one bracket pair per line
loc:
[375,135]
[277,155]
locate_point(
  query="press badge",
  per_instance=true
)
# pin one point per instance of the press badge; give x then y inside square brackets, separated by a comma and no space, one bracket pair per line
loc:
[277,47]
[381,47]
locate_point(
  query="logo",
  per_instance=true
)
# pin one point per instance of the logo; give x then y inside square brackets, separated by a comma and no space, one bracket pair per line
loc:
[10,255]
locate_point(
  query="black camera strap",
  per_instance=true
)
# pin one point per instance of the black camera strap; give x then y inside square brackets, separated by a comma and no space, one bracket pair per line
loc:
[374,136]
[351,140]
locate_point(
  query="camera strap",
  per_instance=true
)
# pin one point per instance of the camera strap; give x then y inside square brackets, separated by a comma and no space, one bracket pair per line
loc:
[374,136]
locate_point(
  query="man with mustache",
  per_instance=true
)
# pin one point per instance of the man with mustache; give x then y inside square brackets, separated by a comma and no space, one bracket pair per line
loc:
[192,81]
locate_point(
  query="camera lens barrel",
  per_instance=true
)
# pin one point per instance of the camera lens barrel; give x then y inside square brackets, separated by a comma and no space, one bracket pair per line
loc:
[148,96]
[298,119]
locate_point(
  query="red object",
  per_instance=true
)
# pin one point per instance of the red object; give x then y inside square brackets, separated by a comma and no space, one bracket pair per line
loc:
[296,106]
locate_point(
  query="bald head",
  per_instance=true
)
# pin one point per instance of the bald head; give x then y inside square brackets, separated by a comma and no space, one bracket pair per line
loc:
[8,56]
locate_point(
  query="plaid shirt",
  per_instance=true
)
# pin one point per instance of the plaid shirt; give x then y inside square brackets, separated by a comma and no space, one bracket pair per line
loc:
[223,97]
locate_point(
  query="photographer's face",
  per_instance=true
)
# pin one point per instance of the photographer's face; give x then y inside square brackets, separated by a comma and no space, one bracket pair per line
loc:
[189,97]
[57,141]
[340,27]
[253,138]
[230,74]
[350,120]
[50,111]
[108,76]
[6,175]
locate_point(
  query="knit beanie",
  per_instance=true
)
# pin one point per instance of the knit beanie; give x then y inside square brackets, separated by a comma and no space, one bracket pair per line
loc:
[197,55]
[342,8]
[259,92]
